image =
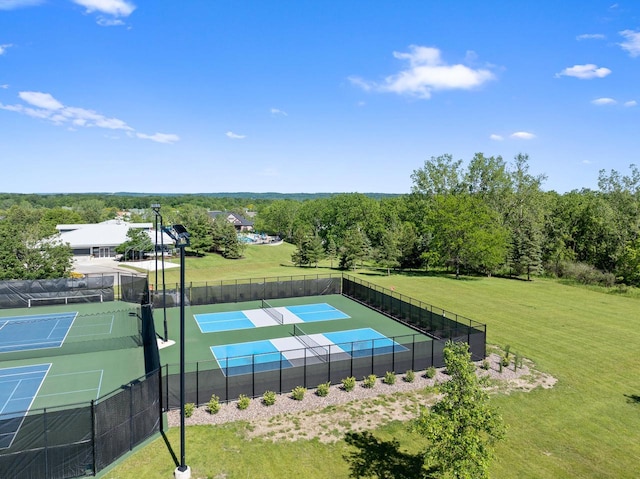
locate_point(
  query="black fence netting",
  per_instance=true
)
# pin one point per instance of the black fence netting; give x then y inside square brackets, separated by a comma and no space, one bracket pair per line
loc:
[236,291]
[133,289]
[76,441]
[433,321]
[46,292]
[259,373]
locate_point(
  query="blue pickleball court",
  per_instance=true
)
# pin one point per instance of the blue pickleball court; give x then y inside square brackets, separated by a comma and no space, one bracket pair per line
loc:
[39,331]
[258,318]
[286,352]
[317,312]
[242,358]
[18,388]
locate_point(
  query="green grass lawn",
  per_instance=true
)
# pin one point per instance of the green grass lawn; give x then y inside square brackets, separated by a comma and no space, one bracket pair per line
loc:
[587,426]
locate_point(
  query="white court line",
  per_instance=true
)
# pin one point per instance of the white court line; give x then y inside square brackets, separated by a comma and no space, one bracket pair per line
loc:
[11,396]
[100,383]
[68,329]
[4,324]
[54,327]
[101,371]
[33,398]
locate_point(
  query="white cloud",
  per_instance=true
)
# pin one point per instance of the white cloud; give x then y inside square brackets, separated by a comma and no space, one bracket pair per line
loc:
[109,22]
[603,101]
[495,137]
[632,43]
[160,137]
[40,100]
[587,162]
[591,36]
[235,136]
[585,72]
[45,107]
[117,8]
[630,103]
[4,86]
[523,135]
[427,72]
[3,48]
[13,4]
[276,112]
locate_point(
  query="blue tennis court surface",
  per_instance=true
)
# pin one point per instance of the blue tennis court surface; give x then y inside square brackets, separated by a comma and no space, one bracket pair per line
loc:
[258,318]
[18,388]
[286,352]
[317,312]
[41,331]
[239,357]
[364,342]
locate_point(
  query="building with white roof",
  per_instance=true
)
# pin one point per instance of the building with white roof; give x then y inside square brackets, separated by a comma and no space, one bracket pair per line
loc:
[100,240]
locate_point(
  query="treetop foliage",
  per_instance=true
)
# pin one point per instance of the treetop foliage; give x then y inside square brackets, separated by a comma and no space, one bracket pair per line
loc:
[486,216]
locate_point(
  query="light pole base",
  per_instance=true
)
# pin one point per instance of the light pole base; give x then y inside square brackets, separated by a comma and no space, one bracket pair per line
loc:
[182,474]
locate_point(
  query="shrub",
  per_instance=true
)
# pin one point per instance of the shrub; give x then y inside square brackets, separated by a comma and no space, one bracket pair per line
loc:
[269,398]
[430,372]
[213,406]
[517,361]
[298,393]
[369,381]
[485,365]
[389,378]
[323,389]
[349,383]
[243,401]
[410,376]
[189,408]
[505,361]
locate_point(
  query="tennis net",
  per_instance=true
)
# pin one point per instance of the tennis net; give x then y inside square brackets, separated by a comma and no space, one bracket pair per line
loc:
[320,351]
[273,312]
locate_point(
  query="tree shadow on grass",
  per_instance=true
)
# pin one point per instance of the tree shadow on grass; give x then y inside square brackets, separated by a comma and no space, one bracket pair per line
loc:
[633,398]
[383,459]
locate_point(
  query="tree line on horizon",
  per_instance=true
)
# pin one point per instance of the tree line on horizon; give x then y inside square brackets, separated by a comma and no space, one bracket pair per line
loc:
[484,217]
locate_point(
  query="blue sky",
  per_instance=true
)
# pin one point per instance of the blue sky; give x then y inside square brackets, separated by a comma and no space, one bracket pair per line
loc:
[201,96]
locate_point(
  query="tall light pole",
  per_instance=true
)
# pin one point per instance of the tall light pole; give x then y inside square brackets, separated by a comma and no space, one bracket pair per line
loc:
[180,235]
[156,209]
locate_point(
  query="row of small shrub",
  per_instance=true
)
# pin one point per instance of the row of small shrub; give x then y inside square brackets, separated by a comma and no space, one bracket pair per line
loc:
[298,393]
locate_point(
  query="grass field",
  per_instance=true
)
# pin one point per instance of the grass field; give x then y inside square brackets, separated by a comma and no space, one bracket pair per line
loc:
[587,426]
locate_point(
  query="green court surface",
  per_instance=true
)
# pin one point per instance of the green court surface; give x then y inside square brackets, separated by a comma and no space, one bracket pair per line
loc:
[198,344]
[99,354]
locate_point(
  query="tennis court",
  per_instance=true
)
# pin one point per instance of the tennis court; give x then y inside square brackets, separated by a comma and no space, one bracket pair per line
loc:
[267,316]
[301,348]
[38,331]
[62,357]
[18,389]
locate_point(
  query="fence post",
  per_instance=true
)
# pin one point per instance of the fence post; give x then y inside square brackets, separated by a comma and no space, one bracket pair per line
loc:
[393,354]
[93,438]
[46,445]
[280,376]
[130,386]
[197,383]
[161,401]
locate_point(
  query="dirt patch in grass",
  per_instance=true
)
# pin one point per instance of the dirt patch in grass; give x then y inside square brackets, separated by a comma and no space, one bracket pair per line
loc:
[328,418]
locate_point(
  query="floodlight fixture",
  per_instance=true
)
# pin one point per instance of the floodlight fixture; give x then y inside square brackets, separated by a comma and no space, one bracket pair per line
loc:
[179,234]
